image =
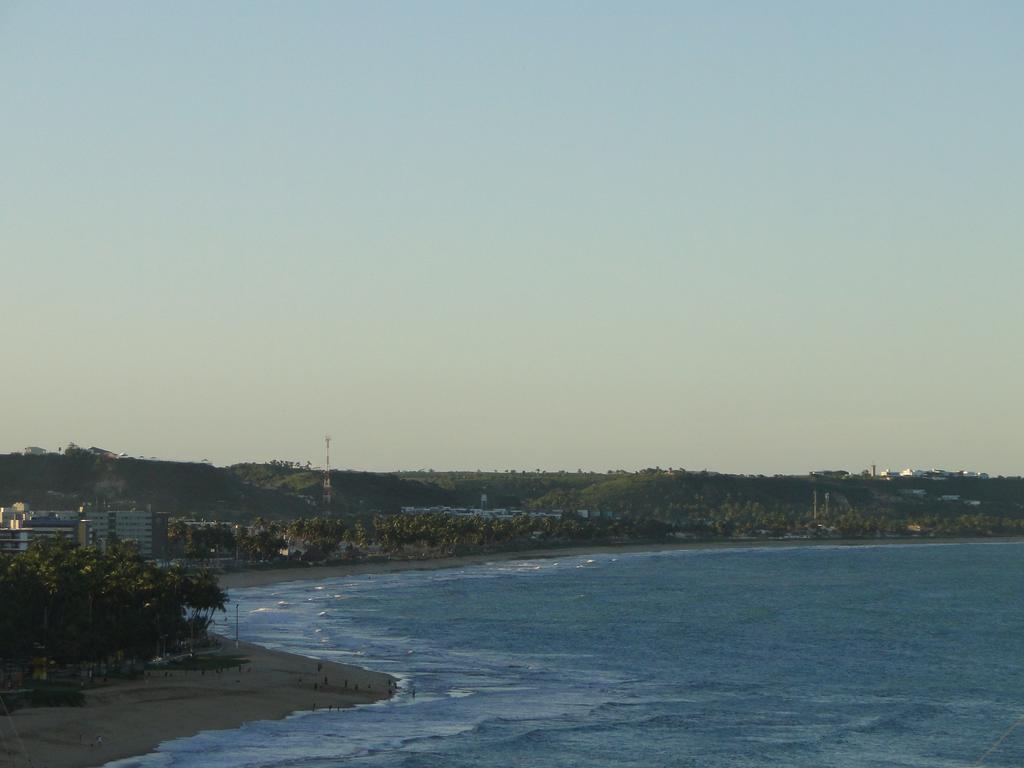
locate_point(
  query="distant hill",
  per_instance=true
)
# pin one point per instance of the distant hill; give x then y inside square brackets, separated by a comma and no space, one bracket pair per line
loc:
[352,493]
[672,495]
[55,481]
[184,489]
[280,491]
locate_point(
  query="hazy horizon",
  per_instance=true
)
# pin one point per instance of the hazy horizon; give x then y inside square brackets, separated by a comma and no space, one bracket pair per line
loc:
[744,238]
[317,463]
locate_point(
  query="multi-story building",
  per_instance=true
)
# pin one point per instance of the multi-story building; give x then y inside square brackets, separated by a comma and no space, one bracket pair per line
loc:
[147,529]
[17,511]
[16,537]
[12,542]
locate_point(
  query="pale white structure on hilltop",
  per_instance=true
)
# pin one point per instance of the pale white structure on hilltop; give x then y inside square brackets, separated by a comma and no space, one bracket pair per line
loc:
[931,474]
[499,512]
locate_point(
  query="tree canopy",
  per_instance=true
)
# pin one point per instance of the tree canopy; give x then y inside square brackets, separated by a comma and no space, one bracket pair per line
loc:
[78,604]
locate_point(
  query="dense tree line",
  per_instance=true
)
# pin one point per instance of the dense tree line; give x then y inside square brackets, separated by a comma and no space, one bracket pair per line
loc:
[854,525]
[321,538]
[449,534]
[751,519]
[77,604]
[201,542]
[264,539]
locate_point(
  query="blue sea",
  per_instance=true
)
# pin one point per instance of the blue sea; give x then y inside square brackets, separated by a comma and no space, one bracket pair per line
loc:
[896,655]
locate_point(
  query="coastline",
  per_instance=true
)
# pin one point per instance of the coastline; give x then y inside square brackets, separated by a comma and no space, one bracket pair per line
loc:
[241,579]
[133,717]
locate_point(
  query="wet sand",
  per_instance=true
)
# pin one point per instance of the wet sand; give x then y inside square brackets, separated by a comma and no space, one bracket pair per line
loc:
[132,717]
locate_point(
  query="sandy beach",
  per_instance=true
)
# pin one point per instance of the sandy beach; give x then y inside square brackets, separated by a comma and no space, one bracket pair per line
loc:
[132,717]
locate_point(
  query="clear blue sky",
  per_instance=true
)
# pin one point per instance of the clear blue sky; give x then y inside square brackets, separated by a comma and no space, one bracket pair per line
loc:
[751,237]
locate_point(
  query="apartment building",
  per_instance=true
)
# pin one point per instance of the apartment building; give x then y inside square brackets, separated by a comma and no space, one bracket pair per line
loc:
[148,530]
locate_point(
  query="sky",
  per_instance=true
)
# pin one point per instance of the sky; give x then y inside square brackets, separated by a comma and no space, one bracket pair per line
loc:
[740,236]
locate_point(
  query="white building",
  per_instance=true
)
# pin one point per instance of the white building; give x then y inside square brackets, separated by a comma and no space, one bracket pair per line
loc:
[146,529]
[499,512]
[34,526]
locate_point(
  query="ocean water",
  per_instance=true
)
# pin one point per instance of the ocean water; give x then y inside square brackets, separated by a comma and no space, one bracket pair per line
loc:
[826,656]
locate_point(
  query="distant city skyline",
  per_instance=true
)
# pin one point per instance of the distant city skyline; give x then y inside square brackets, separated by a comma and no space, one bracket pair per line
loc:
[744,237]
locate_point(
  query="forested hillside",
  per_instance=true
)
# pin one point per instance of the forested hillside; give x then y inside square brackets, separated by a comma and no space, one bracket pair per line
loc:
[673,495]
[66,481]
[691,500]
[352,493]
[184,489]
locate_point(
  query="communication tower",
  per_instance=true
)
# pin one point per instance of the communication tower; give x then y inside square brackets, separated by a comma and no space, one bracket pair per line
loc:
[327,474]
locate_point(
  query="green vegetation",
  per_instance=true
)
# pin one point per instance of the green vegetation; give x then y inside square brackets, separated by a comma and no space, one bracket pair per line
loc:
[322,539]
[282,496]
[206,662]
[513,490]
[263,540]
[444,534]
[77,604]
[439,532]
[44,694]
[205,543]
[354,494]
[178,488]
[277,491]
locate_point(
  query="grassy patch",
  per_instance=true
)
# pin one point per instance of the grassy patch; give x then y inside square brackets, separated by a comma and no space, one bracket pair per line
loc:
[43,693]
[56,697]
[207,662]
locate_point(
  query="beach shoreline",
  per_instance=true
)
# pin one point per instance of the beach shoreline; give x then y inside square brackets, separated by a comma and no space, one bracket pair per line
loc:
[260,578]
[131,718]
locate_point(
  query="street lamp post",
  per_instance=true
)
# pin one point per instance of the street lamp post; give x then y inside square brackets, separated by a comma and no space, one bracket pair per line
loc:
[236,625]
